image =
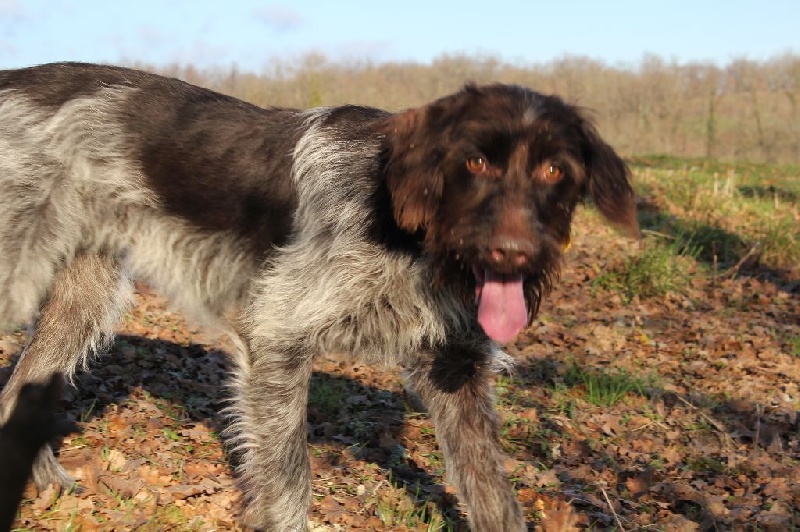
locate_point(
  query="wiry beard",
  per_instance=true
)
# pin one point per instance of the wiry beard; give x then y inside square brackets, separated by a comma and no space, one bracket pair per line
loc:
[453,270]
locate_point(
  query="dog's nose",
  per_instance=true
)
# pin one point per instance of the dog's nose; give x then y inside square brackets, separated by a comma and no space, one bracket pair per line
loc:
[510,252]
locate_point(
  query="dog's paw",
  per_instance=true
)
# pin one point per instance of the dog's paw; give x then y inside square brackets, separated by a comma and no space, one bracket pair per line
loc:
[259,517]
[47,470]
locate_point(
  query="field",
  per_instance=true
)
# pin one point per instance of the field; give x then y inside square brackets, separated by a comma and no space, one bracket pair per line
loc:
[657,390]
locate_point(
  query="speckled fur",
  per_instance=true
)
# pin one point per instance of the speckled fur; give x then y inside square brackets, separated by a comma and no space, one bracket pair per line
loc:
[281,227]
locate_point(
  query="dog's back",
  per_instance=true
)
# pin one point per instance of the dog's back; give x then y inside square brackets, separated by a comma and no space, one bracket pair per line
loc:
[174,180]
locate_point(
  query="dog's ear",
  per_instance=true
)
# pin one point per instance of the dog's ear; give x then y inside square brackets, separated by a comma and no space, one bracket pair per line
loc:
[411,168]
[610,183]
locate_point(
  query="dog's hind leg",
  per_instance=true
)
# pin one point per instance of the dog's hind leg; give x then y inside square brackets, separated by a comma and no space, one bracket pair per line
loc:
[454,384]
[77,318]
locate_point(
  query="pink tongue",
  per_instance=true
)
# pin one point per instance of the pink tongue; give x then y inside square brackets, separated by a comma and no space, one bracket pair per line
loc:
[502,311]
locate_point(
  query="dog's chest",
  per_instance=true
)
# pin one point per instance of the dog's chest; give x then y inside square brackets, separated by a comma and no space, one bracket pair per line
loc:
[351,298]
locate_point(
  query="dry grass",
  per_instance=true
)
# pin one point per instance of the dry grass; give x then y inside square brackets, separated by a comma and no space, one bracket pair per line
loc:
[743,110]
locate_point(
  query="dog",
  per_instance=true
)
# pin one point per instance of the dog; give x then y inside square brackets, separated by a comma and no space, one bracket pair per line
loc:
[426,238]
[31,425]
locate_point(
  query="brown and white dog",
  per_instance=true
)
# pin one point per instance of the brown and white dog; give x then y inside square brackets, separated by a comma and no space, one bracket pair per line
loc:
[426,238]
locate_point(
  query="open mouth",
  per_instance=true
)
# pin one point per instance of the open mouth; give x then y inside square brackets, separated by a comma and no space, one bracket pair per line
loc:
[502,310]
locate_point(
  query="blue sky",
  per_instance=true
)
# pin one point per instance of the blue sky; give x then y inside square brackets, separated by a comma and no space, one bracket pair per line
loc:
[252,33]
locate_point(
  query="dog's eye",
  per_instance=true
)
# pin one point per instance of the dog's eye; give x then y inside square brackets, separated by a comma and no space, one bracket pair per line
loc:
[553,173]
[476,165]
[550,173]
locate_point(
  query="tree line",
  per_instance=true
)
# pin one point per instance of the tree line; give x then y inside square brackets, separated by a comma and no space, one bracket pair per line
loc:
[741,110]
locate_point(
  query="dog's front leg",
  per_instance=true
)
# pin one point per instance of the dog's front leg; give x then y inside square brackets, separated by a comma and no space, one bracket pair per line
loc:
[454,385]
[271,434]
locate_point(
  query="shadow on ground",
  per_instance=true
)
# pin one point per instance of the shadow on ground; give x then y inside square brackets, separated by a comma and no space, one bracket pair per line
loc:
[370,423]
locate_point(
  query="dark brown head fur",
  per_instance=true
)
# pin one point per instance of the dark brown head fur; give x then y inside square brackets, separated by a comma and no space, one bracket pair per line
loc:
[492,175]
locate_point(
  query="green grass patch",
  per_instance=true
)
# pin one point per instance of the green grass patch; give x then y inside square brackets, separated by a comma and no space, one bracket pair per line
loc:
[779,242]
[664,264]
[327,395]
[603,389]
[794,345]
[704,464]
[400,508]
[512,392]
[733,212]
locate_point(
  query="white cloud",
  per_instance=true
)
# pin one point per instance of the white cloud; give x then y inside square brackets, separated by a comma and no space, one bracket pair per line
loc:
[279,18]
[10,7]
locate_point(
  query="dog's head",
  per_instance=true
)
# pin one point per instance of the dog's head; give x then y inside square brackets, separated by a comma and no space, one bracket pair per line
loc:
[491,176]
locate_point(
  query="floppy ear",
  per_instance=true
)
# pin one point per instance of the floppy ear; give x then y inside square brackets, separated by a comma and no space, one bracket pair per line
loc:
[609,183]
[411,168]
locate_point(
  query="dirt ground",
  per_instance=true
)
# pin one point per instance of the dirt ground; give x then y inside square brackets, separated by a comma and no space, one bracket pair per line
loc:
[670,413]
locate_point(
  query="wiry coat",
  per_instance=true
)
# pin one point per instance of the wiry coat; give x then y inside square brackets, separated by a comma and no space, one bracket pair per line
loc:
[344,229]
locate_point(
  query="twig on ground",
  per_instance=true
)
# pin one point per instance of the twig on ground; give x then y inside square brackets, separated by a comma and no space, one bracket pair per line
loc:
[757,439]
[733,270]
[658,234]
[611,507]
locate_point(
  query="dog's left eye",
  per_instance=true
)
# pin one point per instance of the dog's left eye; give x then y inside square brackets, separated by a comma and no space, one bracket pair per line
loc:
[476,165]
[549,173]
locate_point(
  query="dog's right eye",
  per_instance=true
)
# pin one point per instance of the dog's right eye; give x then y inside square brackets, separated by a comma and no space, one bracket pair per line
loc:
[477,165]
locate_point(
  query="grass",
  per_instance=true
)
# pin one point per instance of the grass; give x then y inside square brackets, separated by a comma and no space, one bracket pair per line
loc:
[708,217]
[171,434]
[663,265]
[518,433]
[327,395]
[729,211]
[794,343]
[511,392]
[603,389]
[779,242]
[398,508]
